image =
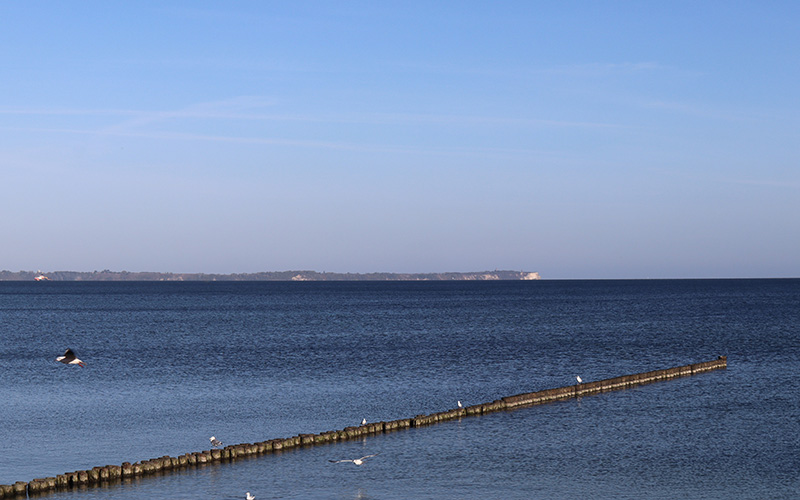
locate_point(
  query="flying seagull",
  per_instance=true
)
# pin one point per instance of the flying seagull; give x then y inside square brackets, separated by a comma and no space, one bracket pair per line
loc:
[249,496]
[69,358]
[580,380]
[216,443]
[357,461]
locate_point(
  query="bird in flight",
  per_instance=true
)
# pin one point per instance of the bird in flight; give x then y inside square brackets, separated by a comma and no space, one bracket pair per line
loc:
[215,443]
[357,461]
[69,358]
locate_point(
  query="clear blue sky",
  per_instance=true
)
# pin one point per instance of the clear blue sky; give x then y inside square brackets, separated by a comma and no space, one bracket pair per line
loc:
[580,139]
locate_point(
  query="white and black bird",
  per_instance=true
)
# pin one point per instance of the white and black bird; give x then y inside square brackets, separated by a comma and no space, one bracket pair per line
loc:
[357,461]
[248,496]
[215,443]
[579,379]
[69,358]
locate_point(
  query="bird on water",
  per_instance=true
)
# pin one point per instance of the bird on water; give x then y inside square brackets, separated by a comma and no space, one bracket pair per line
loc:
[580,380]
[363,421]
[248,496]
[69,358]
[215,443]
[357,461]
[460,405]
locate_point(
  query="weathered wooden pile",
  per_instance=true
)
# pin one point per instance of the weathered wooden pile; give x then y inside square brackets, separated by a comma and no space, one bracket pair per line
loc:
[109,474]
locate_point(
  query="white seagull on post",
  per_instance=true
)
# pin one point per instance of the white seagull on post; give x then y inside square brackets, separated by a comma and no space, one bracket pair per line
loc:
[69,358]
[357,461]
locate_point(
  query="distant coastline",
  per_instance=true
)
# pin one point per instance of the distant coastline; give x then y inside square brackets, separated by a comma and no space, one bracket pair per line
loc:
[107,275]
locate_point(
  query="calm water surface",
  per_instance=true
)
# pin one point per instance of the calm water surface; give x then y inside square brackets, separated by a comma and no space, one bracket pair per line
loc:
[170,364]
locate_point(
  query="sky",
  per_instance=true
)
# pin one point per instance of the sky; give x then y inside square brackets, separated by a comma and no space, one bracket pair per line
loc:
[577,139]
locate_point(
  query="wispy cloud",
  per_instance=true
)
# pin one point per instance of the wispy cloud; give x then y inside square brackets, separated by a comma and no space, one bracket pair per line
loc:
[241,109]
[598,69]
[763,182]
[469,120]
[251,109]
[67,112]
[696,109]
[695,177]
[203,122]
[455,151]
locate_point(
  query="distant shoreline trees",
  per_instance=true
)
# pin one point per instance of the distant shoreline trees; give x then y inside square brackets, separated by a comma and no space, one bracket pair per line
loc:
[107,275]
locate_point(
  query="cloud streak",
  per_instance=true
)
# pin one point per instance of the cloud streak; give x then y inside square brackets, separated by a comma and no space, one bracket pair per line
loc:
[212,111]
[309,144]
[694,178]
[599,69]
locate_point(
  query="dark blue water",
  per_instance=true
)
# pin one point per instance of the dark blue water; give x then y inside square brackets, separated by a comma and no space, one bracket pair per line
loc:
[170,364]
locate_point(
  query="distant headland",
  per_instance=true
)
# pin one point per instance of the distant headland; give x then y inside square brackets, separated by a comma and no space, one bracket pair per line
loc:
[107,275]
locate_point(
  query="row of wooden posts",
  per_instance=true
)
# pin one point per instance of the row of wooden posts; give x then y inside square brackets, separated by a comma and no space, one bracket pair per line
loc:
[106,475]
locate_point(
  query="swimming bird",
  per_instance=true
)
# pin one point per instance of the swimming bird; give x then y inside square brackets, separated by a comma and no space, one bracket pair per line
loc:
[363,421]
[69,358]
[249,496]
[459,404]
[215,443]
[580,380]
[357,461]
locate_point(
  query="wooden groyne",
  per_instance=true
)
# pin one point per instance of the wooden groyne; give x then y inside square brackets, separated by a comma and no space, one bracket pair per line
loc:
[109,474]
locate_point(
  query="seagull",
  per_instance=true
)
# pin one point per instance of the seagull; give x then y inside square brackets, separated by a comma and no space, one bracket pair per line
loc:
[215,442]
[69,358]
[357,461]
[580,380]
[249,496]
[459,404]
[363,421]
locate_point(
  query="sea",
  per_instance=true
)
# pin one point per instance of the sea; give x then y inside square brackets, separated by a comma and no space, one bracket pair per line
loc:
[170,364]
